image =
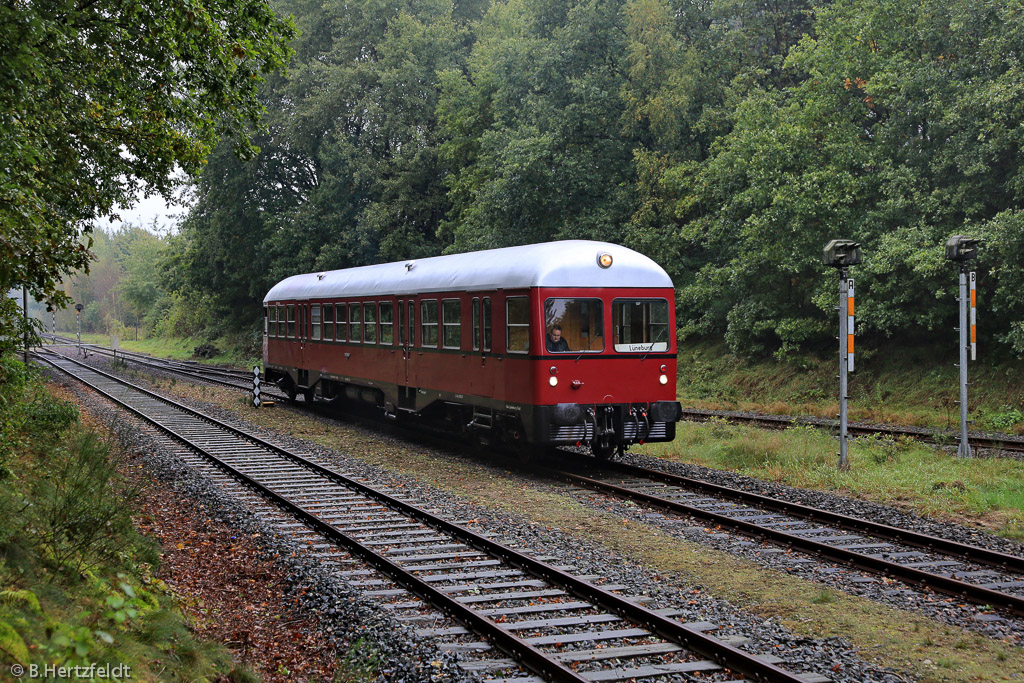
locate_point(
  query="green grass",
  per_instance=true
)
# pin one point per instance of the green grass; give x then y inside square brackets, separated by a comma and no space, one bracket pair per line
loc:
[988,493]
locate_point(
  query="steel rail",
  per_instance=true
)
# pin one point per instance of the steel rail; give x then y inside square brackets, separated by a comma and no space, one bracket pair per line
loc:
[930,436]
[911,575]
[162,365]
[973,553]
[725,655]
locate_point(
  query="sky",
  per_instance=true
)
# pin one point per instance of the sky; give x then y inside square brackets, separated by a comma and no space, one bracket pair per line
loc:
[145,211]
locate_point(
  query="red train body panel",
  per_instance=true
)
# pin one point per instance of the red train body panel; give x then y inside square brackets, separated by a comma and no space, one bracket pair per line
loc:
[469,345]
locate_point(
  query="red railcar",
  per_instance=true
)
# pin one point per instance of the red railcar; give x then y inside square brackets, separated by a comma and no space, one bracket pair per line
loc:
[560,343]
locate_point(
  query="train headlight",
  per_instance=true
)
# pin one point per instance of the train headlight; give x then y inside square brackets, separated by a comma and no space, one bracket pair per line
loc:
[553,381]
[663,379]
[604,259]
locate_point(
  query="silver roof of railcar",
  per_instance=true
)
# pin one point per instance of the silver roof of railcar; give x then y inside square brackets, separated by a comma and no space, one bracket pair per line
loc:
[571,263]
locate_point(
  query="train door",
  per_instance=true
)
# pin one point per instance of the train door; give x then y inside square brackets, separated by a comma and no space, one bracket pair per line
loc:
[301,335]
[403,342]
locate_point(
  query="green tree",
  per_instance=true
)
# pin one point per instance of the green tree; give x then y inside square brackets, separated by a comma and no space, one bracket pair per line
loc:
[100,100]
[533,136]
[900,129]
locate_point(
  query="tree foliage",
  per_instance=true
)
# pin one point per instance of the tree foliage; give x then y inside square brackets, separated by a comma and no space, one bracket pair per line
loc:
[102,99]
[728,139]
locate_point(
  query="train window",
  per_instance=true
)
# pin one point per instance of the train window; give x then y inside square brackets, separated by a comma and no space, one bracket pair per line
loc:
[517,324]
[370,323]
[272,321]
[640,324]
[476,323]
[291,321]
[428,323]
[341,318]
[451,320]
[265,321]
[314,321]
[355,318]
[387,323]
[487,323]
[573,325]
[328,322]
[282,330]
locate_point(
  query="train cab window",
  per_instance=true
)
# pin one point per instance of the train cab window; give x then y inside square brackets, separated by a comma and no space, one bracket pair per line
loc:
[451,320]
[328,322]
[641,325]
[573,325]
[266,321]
[314,322]
[487,323]
[355,323]
[370,323]
[476,323]
[291,321]
[387,323]
[341,318]
[272,321]
[517,324]
[428,323]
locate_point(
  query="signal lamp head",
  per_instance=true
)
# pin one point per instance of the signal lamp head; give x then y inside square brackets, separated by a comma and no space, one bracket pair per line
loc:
[604,259]
[961,248]
[841,253]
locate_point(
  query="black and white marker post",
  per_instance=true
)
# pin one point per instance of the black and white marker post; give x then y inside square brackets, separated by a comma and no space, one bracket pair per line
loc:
[256,386]
[78,316]
[841,254]
[963,250]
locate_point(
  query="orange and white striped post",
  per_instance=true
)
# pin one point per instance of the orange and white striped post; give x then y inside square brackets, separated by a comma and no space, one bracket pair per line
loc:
[974,315]
[962,250]
[849,325]
[841,254]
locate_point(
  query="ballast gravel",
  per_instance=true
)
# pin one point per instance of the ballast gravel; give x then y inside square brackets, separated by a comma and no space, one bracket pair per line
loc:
[936,605]
[349,616]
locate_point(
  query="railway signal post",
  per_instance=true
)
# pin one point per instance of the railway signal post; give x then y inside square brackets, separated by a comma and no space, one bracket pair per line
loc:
[841,254]
[962,250]
[78,317]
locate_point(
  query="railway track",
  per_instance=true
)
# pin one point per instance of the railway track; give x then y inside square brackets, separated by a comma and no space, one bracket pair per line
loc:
[972,573]
[234,379]
[513,611]
[996,443]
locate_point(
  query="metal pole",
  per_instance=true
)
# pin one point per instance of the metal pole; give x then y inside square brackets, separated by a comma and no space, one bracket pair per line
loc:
[964,451]
[844,462]
[78,315]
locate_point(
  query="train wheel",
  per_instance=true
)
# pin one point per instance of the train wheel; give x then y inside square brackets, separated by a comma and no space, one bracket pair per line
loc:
[290,392]
[307,395]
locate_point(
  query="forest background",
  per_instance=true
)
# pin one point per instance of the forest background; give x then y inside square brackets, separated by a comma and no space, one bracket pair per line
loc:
[727,139]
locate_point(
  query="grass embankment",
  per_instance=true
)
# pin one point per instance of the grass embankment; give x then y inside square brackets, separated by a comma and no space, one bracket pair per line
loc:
[76,581]
[891,637]
[897,384]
